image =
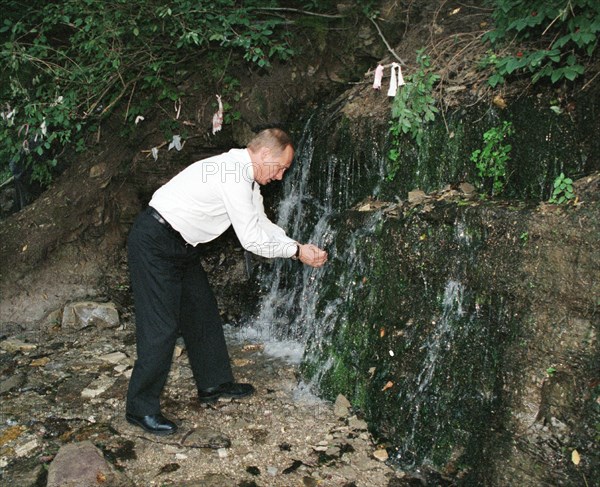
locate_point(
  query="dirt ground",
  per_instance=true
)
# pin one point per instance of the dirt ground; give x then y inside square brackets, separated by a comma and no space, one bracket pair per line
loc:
[72,387]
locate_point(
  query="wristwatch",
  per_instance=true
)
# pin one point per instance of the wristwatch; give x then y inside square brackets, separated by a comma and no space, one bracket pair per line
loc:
[297,254]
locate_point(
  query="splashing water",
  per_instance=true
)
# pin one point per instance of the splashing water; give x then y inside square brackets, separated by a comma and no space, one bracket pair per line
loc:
[315,191]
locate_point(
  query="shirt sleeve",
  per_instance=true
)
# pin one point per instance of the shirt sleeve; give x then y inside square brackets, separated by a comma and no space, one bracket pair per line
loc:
[275,231]
[256,232]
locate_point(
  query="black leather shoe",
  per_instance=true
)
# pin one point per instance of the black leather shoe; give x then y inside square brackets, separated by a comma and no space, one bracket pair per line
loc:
[229,389]
[155,423]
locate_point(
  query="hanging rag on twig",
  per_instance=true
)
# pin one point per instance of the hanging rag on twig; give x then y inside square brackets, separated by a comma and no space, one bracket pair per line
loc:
[400,77]
[217,121]
[378,77]
[396,79]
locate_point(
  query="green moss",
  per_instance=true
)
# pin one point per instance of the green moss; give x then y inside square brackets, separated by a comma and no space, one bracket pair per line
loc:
[544,144]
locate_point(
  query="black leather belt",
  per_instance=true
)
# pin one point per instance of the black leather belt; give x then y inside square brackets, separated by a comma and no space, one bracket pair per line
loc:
[159,218]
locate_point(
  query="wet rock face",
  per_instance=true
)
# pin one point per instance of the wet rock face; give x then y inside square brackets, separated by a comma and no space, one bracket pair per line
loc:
[468,335]
[440,314]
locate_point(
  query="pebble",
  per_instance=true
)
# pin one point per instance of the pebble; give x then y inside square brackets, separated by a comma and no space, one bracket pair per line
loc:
[341,407]
[113,357]
[22,450]
[97,387]
[119,369]
[40,362]
[332,451]
[357,424]
[381,455]
[12,345]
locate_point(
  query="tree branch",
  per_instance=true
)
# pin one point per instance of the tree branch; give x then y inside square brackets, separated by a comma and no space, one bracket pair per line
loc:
[386,42]
[300,11]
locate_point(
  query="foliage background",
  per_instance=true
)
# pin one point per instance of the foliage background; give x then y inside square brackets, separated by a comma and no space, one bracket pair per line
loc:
[68,64]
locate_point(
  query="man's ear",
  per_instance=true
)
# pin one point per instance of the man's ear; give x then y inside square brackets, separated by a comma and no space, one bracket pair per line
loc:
[265,154]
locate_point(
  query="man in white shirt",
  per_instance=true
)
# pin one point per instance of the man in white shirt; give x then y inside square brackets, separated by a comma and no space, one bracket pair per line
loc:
[171,291]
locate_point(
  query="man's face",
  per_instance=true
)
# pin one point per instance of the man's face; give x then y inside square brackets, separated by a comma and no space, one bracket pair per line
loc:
[272,165]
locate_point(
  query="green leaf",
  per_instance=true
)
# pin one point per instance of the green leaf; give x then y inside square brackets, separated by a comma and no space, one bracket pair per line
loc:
[512,64]
[556,75]
[558,180]
[561,41]
[495,79]
[590,49]
[570,73]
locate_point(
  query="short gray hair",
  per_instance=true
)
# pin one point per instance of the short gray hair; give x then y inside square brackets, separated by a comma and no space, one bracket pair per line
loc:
[272,138]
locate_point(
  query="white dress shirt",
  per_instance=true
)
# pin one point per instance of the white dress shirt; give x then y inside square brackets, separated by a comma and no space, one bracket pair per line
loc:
[204,199]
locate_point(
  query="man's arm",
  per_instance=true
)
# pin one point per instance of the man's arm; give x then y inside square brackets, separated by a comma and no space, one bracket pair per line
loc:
[307,254]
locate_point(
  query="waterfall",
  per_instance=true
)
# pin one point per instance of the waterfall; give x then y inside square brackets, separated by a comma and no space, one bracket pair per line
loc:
[320,185]
[424,391]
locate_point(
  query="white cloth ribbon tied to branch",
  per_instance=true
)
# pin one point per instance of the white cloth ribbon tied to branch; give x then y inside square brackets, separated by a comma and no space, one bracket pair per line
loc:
[217,121]
[176,142]
[378,77]
[396,79]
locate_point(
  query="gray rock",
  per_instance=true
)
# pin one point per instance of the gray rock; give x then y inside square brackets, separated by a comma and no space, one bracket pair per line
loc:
[114,357]
[206,438]
[357,424]
[332,451]
[342,406]
[467,188]
[82,465]
[416,197]
[98,386]
[24,449]
[88,313]
[13,382]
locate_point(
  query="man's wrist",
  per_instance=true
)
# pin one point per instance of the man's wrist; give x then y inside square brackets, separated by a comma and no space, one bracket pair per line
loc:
[296,256]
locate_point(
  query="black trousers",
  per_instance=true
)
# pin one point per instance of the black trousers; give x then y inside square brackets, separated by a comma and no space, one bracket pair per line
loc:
[171,296]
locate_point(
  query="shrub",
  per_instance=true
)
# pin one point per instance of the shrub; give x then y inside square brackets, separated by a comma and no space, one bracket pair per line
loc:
[543,38]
